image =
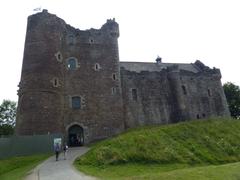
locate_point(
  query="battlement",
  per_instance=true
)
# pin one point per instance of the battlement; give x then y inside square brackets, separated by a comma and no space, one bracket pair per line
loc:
[108,33]
[112,27]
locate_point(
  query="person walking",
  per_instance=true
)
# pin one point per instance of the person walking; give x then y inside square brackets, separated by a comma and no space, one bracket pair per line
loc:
[65,148]
[57,149]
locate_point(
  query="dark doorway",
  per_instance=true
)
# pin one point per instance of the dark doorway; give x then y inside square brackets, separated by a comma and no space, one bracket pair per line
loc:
[75,136]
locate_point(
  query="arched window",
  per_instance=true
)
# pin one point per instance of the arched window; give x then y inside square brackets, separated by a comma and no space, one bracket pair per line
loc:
[76,102]
[72,64]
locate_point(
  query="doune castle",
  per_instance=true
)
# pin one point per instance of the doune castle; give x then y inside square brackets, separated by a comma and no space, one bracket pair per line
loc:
[73,83]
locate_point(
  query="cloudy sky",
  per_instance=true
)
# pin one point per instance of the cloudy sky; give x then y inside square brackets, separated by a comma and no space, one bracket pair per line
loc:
[178,31]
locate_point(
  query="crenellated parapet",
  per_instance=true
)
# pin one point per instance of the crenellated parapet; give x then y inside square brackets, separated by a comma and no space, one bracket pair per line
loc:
[202,68]
[111,27]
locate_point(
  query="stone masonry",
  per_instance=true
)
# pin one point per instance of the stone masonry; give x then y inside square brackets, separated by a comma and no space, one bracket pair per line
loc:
[73,83]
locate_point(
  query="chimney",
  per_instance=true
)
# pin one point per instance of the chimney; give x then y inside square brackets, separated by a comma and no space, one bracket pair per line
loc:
[158,60]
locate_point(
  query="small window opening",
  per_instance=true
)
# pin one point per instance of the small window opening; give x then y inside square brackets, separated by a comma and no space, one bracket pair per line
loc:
[198,117]
[134,94]
[114,76]
[55,82]
[91,41]
[76,102]
[114,90]
[96,67]
[72,64]
[58,55]
[209,92]
[184,90]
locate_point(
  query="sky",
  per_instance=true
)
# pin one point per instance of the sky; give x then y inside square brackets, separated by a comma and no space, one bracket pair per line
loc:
[178,31]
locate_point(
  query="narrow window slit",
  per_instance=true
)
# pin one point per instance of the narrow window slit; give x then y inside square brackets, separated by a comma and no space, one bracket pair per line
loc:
[134,94]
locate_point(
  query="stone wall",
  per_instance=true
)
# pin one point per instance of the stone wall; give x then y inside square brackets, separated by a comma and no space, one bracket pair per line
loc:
[40,103]
[48,83]
[101,113]
[172,95]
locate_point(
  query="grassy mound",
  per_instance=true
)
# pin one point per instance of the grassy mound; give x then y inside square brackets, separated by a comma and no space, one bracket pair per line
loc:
[214,141]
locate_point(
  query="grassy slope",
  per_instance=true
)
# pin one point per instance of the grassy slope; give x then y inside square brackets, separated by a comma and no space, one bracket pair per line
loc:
[192,143]
[212,172]
[17,167]
[229,171]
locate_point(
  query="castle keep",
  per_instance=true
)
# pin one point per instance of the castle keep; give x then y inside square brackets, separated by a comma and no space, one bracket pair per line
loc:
[73,83]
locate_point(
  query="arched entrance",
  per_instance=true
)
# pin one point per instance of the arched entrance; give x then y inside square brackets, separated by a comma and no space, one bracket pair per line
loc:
[75,135]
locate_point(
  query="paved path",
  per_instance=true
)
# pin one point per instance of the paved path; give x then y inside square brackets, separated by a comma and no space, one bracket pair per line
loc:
[60,170]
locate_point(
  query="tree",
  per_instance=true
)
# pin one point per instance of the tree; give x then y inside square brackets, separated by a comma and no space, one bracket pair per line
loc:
[6,129]
[7,117]
[232,93]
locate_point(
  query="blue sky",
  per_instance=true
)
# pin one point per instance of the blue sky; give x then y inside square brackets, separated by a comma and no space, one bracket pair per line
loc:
[178,31]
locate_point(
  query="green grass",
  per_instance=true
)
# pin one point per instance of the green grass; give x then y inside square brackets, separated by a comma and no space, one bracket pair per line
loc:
[170,172]
[213,172]
[128,170]
[166,148]
[17,167]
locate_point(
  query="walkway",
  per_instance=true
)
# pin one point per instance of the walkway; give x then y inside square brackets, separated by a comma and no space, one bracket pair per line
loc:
[60,170]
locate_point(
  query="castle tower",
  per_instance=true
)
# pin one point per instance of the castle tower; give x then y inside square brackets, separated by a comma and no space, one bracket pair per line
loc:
[41,89]
[70,81]
[177,99]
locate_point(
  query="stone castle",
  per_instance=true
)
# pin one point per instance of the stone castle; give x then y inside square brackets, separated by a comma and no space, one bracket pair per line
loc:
[73,83]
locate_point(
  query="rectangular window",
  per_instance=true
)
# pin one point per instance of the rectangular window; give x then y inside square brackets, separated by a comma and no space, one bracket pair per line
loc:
[76,102]
[134,94]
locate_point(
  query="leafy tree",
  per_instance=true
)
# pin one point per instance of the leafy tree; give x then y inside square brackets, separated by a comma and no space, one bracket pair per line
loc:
[232,93]
[6,129]
[7,117]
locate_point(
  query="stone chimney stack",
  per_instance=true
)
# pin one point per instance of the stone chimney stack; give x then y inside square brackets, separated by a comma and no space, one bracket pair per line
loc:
[159,60]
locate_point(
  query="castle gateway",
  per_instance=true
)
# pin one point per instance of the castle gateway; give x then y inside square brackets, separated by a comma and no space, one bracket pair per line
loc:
[73,83]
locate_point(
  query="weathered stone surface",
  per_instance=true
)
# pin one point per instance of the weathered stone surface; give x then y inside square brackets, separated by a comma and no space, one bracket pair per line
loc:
[171,94]
[61,62]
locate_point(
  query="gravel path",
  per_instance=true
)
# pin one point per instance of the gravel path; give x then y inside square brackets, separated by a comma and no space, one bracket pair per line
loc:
[60,170]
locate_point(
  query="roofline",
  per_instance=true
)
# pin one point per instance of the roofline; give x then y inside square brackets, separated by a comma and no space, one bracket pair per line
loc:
[151,62]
